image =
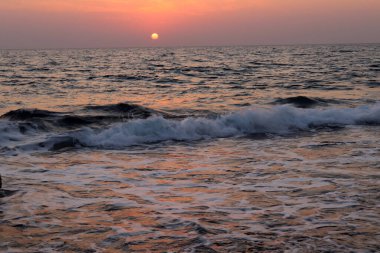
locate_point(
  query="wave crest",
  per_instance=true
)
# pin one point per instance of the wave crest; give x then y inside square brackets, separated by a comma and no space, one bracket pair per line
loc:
[277,120]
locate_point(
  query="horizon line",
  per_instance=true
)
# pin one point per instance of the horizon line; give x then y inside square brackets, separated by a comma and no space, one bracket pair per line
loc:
[196,46]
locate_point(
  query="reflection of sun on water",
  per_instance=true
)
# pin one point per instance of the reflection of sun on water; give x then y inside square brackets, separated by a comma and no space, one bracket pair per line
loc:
[155,36]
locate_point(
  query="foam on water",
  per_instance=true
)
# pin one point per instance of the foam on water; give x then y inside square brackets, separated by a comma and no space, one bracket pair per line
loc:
[73,183]
[277,120]
[14,132]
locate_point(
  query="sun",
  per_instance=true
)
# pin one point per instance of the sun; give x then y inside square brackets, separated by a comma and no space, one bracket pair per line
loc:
[155,36]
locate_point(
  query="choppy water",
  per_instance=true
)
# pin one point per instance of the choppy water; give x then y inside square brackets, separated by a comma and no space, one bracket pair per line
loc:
[239,149]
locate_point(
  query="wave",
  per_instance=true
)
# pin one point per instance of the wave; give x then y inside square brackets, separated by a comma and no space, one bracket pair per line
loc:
[281,119]
[88,116]
[132,110]
[303,101]
[15,132]
[277,120]
[28,114]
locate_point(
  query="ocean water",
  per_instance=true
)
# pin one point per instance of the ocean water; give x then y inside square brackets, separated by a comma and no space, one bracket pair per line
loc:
[209,149]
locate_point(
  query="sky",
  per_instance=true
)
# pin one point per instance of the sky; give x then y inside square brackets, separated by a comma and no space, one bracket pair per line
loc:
[33,24]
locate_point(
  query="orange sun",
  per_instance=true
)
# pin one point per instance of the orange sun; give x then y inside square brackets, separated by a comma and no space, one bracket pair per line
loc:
[155,36]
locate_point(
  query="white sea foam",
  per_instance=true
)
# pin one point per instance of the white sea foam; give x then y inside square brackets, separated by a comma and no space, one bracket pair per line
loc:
[277,120]
[9,132]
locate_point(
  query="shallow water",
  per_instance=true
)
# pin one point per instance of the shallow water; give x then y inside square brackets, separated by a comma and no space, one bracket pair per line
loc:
[220,155]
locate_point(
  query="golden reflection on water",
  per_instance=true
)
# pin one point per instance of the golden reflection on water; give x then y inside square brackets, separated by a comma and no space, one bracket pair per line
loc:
[308,192]
[177,197]
[183,96]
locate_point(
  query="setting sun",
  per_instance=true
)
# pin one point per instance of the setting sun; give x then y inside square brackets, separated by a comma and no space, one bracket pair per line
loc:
[155,36]
[189,125]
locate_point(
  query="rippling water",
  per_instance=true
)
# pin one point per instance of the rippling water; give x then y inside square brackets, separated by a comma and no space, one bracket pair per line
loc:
[236,149]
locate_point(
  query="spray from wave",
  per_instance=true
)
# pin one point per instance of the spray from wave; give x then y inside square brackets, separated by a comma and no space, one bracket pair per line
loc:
[277,120]
[285,119]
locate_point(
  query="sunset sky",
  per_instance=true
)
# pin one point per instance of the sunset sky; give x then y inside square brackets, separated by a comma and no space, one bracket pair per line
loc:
[125,23]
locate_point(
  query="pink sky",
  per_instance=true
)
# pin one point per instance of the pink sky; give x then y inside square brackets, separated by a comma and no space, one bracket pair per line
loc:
[125,23]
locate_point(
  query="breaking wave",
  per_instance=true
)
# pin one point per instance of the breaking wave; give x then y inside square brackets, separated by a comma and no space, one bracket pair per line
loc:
[277,120]
[284,119]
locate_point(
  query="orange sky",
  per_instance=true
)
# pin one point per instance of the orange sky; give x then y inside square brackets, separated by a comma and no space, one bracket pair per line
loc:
[123,23]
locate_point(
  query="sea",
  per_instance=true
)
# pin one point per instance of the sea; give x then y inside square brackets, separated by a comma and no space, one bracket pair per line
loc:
[193,149]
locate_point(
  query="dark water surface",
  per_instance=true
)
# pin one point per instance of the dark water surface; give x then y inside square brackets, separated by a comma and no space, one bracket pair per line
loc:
[236,149]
